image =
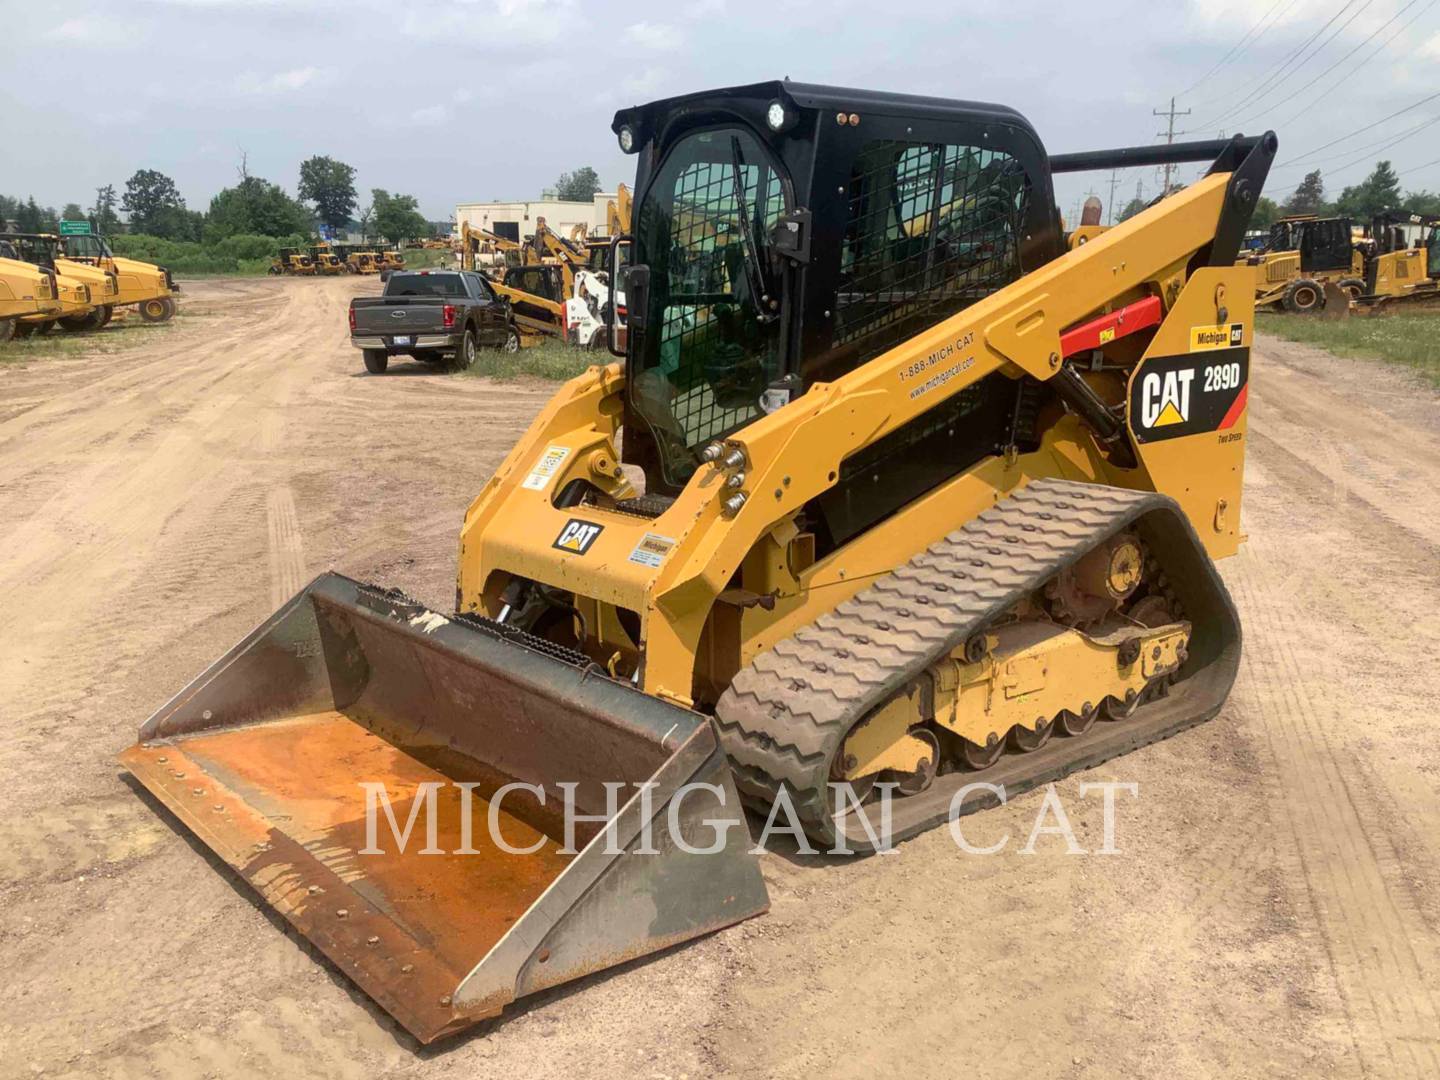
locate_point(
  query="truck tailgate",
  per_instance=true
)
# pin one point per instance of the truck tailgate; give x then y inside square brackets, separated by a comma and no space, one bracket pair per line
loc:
[399,315]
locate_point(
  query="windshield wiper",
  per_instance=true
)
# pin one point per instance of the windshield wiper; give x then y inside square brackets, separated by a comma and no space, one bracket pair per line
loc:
[755,275]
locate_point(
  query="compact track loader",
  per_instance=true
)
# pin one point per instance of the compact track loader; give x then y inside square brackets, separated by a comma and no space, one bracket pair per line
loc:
[930,497]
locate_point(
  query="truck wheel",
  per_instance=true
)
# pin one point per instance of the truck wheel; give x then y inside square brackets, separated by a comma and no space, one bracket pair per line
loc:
[274,271]
[7,330]
[376,361]
[512,340]
[1303,297]
[157,310]
[1352,287]
[465,352]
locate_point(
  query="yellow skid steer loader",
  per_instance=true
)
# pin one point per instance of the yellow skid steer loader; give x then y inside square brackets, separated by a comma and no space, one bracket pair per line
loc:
[930,496]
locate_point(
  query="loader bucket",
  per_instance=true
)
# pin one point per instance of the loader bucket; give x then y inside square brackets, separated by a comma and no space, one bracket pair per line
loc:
[263,758]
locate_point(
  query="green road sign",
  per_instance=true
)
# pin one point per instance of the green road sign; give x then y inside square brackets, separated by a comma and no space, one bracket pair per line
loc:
[74,228]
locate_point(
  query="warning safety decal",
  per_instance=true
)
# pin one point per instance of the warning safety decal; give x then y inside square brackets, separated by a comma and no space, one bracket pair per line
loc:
[1173,396]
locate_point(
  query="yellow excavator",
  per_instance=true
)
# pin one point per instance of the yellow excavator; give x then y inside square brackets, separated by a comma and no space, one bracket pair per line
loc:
[535,288]
[148,288]
[26,291]
[910,509]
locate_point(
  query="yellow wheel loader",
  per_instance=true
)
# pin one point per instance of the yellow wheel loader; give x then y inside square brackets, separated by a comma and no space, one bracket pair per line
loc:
[1287,279]
[87,294]
[929,511]
[326,261]
[293,262]
[361,262]
[26,291]
[148,288]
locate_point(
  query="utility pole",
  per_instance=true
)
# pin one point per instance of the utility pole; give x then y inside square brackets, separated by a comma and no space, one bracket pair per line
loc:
[1110,204]
[1169,134]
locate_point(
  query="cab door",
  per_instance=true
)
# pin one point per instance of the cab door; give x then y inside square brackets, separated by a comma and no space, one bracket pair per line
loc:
[489,311]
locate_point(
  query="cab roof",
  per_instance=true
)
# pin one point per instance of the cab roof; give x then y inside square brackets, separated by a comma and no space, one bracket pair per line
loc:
[827,98]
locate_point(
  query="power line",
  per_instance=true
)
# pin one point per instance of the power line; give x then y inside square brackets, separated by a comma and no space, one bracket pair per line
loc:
[1279,73]
[1357,68]
[1361,131]
[1278,194]
[1235,50]
[1223,94]
[1296,93]
[1367,148]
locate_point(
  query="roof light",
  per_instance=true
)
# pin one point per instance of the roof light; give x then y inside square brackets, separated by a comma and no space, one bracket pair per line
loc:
[627,139]
[778,117]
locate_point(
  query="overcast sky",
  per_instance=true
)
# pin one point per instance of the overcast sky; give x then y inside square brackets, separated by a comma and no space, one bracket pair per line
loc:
[492,99]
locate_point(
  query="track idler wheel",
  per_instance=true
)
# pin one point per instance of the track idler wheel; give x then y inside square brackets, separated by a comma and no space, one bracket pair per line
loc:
[924,775]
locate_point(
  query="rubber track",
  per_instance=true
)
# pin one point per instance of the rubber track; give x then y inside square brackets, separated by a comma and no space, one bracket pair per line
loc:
[784,717]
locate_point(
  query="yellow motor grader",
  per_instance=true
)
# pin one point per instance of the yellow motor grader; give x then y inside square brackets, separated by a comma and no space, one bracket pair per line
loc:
[907,503]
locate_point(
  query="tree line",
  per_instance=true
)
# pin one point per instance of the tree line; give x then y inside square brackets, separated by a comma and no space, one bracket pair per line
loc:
[1359,202]
[252,207]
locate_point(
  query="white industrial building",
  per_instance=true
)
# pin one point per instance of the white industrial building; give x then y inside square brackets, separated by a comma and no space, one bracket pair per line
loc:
[517,220]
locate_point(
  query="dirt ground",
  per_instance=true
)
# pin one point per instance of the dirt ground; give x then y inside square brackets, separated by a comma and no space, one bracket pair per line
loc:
[1272,912]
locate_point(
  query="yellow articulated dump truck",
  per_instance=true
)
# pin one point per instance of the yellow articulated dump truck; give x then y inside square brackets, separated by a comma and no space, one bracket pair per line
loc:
[87,294]
[148,288]
[26,291]
[908,502]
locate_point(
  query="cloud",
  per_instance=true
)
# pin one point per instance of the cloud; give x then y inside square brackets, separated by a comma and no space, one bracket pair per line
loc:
[95,31]
[516,22]
[658,37]
[431,116]
[283,82]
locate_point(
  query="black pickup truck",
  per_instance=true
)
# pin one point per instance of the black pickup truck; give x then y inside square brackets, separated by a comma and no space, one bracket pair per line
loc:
[432,315]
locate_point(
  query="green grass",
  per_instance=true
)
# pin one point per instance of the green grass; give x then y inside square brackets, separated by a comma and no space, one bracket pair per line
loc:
[1410,339]
[427,259]
[119,335]
[549,360]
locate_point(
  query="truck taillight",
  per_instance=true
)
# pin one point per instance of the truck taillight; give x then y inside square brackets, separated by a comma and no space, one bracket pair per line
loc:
[449,316]
[352,318]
